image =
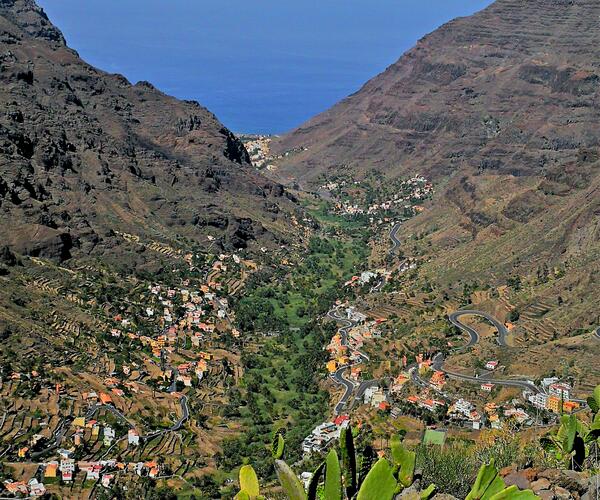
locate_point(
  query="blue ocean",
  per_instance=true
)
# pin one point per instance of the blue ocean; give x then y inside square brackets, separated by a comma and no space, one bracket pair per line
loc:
[261,66]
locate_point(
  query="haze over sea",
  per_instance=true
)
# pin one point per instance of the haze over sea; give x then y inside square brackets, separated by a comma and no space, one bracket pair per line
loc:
[261,66]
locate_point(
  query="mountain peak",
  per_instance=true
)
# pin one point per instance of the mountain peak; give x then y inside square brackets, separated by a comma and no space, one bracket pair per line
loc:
[31,20]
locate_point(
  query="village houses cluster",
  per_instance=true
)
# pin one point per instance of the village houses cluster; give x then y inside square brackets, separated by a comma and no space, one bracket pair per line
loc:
[183,315]
[411,192]
[556,397]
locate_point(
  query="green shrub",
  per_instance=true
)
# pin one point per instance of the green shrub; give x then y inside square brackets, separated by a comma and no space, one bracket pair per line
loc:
[452,468]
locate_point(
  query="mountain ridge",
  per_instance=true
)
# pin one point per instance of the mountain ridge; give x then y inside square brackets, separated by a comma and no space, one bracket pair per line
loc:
[428,91]
[500,111]
[85,152]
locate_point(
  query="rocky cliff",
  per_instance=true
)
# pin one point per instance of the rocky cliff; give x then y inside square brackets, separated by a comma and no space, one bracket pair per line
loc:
[510,90]
[84,153]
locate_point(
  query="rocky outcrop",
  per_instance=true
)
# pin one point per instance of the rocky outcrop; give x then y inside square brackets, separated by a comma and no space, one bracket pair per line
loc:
[547,484]
[83,152]
[554,484]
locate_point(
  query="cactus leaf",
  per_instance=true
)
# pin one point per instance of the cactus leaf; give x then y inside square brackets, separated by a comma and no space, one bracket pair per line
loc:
[278,446]
[249,481]
[380,483]
[348,461]
[513,493]
[487,484]
[333,477]
[404,459]
[314,482]
[429,492]
[289,482]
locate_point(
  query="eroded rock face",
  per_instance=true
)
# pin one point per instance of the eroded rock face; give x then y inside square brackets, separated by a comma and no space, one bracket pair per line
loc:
[41,241]
[513,90]
[83,152]
[7,257]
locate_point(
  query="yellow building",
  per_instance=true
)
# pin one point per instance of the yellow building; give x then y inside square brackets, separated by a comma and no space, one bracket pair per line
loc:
[553,404]
[50,471]
[331,366]
[79,422]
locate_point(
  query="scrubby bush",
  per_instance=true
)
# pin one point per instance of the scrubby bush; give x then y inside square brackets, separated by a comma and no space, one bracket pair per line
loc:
[452,468]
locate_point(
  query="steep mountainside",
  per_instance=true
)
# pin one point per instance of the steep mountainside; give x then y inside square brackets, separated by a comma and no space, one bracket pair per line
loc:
[84,153]
[501,111]
[510,90]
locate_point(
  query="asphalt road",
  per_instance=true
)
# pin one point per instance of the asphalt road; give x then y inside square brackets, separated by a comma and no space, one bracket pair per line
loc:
[185,414]
[394,237]
[454,318]
[474,336]
[438,364]
[338,376]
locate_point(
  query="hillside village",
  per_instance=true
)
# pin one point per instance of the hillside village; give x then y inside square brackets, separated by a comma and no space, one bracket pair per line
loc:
[183,348]
[418,390]
[173,336]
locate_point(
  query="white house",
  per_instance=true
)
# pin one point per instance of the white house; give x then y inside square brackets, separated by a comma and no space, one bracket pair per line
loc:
[560,390]
[109,435]
[133,437]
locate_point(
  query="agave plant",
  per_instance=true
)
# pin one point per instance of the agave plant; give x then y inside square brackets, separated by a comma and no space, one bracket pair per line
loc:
[571,442]
[337,479]
[594,402]
[340,476]
[490,486]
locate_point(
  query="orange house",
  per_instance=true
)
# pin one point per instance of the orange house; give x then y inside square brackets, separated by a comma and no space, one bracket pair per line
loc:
[570,406]
[105,399]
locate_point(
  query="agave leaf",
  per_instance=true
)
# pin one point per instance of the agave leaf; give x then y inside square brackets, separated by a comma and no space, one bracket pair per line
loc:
[380,483]
[405,459]
[289,482]
[348,461]
[314,482]
[278,446]
[242,495]
[593,404]
[570,431]
[513,493]
[333,477]
[487,484]
[249,481]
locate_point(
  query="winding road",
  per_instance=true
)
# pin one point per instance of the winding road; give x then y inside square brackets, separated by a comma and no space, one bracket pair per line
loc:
[338,375]
[438,360]
[394,237]
[454,318]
